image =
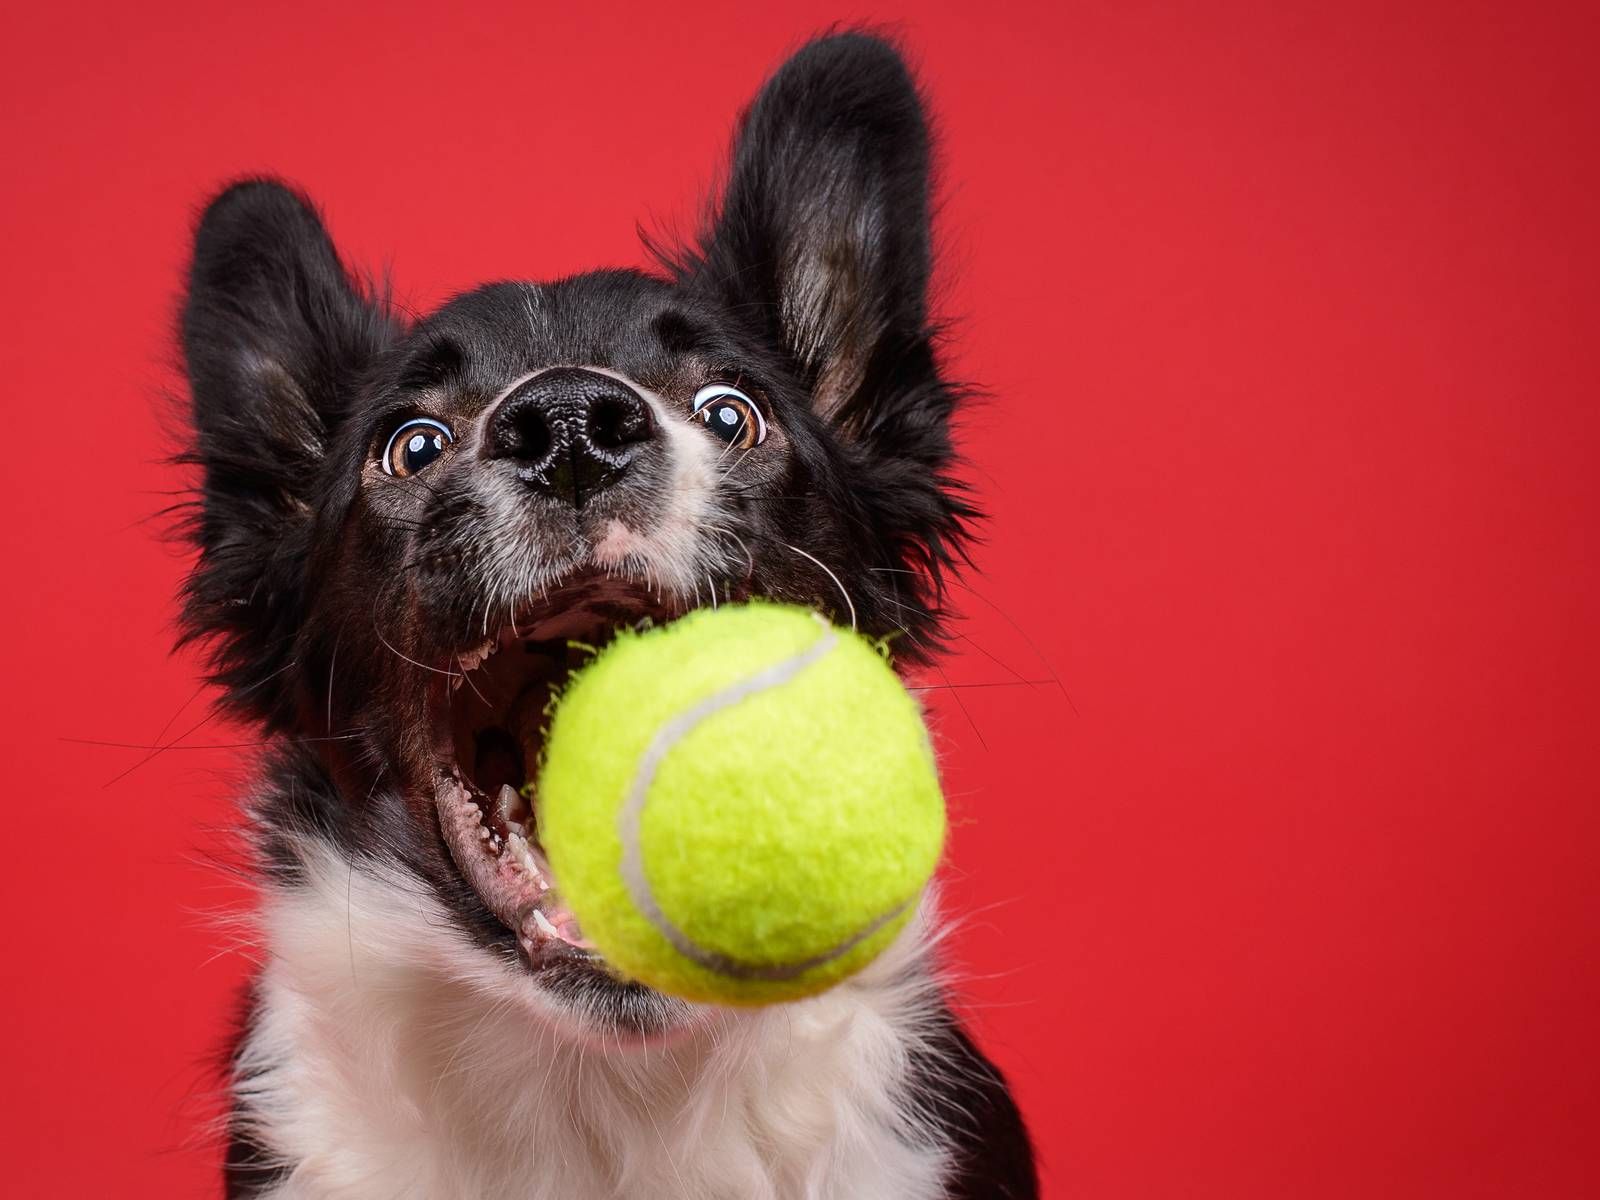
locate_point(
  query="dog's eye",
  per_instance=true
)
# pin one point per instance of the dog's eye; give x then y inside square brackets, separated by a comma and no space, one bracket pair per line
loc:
[731,415]
[414,446]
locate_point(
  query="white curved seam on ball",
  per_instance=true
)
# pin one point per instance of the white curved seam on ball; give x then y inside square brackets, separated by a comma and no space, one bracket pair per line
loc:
[632,811]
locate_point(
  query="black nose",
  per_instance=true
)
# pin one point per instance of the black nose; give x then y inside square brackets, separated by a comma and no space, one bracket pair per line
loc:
[572,433]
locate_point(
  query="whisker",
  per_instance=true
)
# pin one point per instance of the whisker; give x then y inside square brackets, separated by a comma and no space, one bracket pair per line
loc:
[986,683]
[332,659]
[162,732]
[849,603]
[961,704]
[200,724]
[735,466]
[404,657]
[407,480]
[271,741]
[1023,634]
[1009,670]
[467,679]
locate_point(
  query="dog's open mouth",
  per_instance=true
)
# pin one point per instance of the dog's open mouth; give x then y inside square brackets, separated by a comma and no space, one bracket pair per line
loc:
[490,715]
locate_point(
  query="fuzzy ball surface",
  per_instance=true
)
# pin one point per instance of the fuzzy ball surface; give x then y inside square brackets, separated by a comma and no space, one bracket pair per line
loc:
[740,807]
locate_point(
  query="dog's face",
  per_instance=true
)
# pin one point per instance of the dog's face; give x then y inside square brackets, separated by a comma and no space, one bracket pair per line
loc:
[409,534]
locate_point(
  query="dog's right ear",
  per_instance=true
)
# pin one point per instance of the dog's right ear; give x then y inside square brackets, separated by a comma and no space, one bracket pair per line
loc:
[275,337]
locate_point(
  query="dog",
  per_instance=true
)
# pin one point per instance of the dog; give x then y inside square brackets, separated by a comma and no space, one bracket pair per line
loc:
[404,527]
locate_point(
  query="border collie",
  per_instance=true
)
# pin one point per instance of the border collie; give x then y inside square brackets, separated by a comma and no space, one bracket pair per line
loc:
[402,524]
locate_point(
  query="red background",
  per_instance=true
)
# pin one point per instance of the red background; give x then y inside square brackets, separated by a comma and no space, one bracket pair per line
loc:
[1288,312]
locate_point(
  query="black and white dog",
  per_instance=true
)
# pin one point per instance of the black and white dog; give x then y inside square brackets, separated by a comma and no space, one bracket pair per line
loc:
[402,525]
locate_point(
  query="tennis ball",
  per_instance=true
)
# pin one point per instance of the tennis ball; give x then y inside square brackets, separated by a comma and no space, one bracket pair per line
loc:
[740,807]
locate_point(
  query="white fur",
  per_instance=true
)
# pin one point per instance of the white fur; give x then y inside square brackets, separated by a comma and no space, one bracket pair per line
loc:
[392,1059]
[677,550]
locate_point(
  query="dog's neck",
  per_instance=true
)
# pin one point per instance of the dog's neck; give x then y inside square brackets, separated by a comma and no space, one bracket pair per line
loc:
[388,1058]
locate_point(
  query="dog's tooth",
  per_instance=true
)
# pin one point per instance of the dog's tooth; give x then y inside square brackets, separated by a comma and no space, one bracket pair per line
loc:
[525,859]
[505,801]
[543,922]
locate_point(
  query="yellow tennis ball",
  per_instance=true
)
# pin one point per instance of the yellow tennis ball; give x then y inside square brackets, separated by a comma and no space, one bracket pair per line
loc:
[740,807]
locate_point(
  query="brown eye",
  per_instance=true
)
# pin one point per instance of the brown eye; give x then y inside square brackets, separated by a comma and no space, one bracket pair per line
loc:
[731,415]
[414,446]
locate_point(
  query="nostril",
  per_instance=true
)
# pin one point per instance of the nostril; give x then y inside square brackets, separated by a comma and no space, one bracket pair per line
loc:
[523,433]
[618,421]
[535,437]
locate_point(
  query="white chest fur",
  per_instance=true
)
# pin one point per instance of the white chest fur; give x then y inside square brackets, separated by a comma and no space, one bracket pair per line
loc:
[393,1059]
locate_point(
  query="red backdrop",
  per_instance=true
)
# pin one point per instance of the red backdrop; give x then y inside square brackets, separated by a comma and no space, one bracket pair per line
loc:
[1288,314]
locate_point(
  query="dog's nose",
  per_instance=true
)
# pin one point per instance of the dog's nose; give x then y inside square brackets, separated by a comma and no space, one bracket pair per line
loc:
[572,433]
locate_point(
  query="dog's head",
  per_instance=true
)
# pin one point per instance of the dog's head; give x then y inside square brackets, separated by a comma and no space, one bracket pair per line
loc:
[408,532]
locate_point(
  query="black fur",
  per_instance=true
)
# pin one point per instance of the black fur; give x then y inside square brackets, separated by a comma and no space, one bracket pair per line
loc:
[967,1099]
[275,339]
[248,1169]
[324,588]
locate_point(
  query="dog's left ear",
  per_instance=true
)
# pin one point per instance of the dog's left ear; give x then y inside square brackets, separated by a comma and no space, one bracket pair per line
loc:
[275,338]
[822,235]
[821,245]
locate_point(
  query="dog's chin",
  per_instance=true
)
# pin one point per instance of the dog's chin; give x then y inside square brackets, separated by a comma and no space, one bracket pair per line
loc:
[488,715]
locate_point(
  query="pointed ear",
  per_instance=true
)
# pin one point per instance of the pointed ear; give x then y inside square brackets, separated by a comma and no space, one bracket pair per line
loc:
[275,336]
[822,233]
